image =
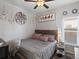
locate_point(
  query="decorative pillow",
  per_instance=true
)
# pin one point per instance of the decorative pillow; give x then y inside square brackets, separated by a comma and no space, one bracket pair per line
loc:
[36,36]
[43,38]
[51,38]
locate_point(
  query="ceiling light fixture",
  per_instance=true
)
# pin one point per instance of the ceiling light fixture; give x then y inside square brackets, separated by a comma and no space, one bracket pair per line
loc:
[40,2]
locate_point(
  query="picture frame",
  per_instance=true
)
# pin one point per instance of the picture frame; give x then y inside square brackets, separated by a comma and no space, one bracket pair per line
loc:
[74,11]
[65,12]
[20,18]
[48,17]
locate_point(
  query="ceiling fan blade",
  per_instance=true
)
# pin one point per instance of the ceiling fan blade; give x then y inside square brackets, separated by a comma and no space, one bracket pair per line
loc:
[46,6]
[48,0]
[30,0]
[37,0]
[35,7]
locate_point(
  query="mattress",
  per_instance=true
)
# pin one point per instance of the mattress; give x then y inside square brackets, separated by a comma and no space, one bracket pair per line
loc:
[35,49]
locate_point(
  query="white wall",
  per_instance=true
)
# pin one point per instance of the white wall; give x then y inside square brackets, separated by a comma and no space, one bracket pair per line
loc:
[68,8]
[47,25]
[9,29]
[76,53]
[58,24]
[59,17]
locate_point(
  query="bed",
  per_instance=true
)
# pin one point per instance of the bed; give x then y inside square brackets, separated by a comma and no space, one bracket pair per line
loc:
[35,49]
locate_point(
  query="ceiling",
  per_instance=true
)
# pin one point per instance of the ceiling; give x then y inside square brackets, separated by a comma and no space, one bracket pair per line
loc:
[30,5]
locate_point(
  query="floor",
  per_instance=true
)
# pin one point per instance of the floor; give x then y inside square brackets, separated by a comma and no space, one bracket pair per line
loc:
[64,57]
[67,56]
[56,57]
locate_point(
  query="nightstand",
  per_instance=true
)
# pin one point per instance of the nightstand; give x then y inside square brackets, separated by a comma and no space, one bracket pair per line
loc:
[60,49]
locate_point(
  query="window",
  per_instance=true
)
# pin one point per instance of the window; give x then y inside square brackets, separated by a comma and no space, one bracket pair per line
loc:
[70,24]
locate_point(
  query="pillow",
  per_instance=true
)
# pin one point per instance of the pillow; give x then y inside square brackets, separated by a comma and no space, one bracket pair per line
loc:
[36,36]
[51,38]
[43,38]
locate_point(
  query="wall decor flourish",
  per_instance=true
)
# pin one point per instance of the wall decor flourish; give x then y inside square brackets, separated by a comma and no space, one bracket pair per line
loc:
[74,11]
[20,18]
[65,13]
[49,17]
[3,12]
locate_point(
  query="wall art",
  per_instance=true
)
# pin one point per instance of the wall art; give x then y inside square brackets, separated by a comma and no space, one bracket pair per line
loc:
[65,13]
[3,12]
[20,18]
[49,17]
[74,11]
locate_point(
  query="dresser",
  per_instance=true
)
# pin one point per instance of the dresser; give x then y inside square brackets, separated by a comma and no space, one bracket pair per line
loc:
[3,50]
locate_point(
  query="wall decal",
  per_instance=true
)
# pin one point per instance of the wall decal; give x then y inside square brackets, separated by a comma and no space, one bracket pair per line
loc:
[74,11]
[65,13]
[20,18]
[3,12]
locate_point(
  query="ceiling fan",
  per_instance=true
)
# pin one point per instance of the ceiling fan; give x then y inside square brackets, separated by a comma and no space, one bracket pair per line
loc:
[39,3]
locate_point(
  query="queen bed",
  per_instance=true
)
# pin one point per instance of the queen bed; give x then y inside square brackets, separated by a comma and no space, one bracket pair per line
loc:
[36,49]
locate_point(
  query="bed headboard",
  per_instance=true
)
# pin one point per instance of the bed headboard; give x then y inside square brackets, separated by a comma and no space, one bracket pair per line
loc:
[50,32]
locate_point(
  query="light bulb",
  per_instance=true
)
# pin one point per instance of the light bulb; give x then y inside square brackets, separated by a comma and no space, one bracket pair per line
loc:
[40,3]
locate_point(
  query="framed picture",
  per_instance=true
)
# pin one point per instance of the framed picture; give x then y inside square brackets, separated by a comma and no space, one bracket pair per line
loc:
[65,13]
[74,11]
[20,18]
[48,17]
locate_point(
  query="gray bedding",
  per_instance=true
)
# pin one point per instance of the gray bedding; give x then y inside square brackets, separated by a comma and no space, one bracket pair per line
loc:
[35,49]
